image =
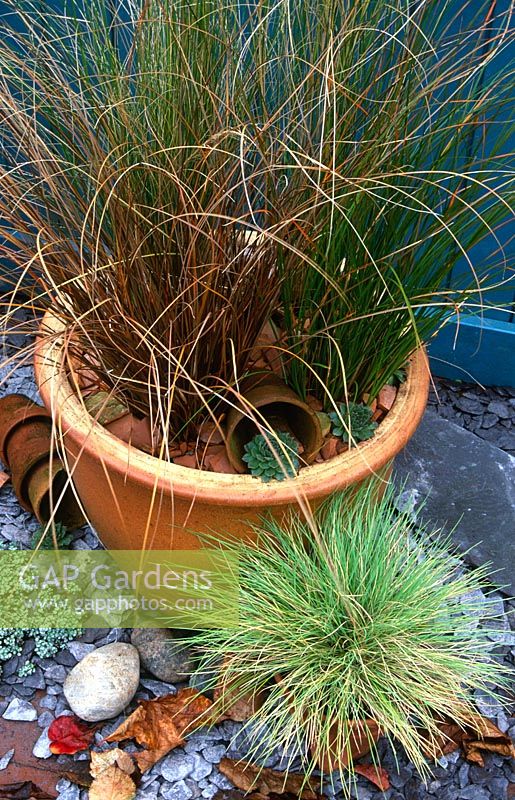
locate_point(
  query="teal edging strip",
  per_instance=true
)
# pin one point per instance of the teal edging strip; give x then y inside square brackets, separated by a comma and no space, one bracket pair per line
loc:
[475,350]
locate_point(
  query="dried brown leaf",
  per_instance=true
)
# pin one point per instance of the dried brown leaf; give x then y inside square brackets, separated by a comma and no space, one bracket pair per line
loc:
[112,784]
[491,740]
[474,739]
[111,758]
[78,772]
[251,778]
[4,477]
[160,724]
[362,735]
[111,772]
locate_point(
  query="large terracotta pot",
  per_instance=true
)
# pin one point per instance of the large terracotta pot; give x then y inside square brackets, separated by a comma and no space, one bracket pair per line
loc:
[134,500]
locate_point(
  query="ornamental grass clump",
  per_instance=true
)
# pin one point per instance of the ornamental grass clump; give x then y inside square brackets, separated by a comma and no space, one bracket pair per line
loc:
[359,617]
[177,175]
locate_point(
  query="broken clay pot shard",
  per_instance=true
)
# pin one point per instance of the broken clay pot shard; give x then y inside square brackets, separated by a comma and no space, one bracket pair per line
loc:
[266,401]
[28,449]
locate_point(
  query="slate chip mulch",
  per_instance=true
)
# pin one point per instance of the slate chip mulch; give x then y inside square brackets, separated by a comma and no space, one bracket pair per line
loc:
[487,412]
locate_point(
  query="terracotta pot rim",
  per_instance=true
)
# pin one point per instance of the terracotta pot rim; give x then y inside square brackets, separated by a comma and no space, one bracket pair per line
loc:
[316,480]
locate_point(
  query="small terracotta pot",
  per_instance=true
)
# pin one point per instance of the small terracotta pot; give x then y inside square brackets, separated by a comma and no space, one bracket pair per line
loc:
[49,486]
[273,400]
[38,477]
[16,410]
[136,501]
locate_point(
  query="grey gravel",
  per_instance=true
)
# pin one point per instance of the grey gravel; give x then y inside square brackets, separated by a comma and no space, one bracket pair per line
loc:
[195,788]
[66,658]
[474,792]
[150,792]
[20,710]
[489,412]
[202,768]
[210,791]
[45,719]
[5,760]
[10,667]
[54,688]
[177,765]
[80,649]
[178,791]
[56,673]
[221,781]
[42,747]
[158,688]
[36,680]
[49,701]
[67,790]
[214,753]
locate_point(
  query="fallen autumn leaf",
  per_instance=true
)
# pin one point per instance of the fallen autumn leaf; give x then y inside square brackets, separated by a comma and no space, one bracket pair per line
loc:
[69,735]
[111,772]
[454,736]
[113,784]
[251,778]
[111,758]
[160,724]
[231,703]
[376,775]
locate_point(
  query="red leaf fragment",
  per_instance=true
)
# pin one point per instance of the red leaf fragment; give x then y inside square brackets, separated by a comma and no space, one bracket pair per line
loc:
[69,735]
[376,775]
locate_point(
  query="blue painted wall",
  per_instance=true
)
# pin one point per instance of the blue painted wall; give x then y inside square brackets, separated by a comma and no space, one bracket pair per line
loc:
[482,347]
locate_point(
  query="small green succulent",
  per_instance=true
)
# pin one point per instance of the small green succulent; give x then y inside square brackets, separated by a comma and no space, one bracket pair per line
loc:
[358,417]
[62,536]
[398,377]
[272,459]
[48,642]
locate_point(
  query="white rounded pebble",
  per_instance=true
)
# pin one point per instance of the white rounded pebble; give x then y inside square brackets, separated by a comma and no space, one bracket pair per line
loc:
[104,682]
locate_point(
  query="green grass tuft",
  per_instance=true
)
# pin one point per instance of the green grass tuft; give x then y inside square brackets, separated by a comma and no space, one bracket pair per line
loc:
[362,617]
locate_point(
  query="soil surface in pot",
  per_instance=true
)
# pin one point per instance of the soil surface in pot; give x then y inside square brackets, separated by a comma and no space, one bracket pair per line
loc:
[208,450]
